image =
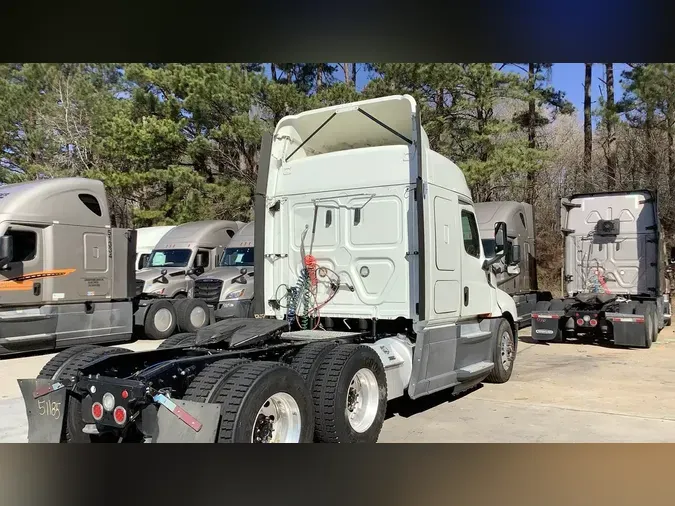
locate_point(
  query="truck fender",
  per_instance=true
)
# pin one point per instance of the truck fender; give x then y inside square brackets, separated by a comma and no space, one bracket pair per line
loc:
[505,304]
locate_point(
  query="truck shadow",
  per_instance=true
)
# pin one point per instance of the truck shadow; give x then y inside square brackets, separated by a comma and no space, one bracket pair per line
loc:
[406,407]
[584,342]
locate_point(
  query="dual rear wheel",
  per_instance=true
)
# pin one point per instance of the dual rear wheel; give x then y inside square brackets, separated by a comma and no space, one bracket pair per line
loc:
[330,393]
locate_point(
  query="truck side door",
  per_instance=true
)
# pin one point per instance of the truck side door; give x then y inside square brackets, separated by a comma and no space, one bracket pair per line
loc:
[16,285]
[476,296]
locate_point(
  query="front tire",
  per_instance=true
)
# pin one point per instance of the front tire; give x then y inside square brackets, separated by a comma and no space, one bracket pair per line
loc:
[503,353]
[350,395]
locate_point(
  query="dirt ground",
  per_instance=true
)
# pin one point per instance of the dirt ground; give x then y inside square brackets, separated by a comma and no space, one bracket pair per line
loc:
[558,393]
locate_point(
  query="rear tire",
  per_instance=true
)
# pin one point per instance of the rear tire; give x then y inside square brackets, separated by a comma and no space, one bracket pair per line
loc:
[542,305]
[192,315]
[160,320]
[644,309]
[350,395]
[53,368]
[207,384]
[309,358]
[557,305]
[83,358]
[503,354]
[182,340]
[265,402]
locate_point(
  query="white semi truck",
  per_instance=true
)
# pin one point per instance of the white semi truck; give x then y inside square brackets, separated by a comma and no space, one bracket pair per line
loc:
[146,240]
[371,284]
[614,272]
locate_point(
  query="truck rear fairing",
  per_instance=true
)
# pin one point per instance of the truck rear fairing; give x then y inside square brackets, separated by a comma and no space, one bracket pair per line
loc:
[613,270]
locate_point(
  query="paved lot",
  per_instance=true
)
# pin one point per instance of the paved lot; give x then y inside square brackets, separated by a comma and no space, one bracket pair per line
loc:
[558,393]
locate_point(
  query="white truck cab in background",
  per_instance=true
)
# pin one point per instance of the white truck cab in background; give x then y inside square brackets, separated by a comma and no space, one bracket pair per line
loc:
[146,240]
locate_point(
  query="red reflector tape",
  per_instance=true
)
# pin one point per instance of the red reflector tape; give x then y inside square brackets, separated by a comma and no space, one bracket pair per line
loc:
[629,320]
[183,415]
[546,316]
[47,390]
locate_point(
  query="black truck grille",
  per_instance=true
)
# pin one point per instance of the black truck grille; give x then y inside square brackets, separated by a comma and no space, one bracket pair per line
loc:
[139,286]
[208,290]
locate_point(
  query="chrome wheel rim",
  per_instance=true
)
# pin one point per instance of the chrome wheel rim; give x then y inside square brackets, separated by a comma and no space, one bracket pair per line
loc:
[363,399]
[163,320]
[198,317]
[278,420]
[506,351]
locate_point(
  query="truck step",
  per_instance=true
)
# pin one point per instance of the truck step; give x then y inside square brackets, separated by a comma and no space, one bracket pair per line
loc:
[473,370]
[318,335]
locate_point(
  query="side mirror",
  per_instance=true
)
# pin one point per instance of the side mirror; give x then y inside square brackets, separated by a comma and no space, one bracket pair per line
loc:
[243,271]
[163,272]
[500,238]
[201,260]
[500,244]
[6,249]
[515,254]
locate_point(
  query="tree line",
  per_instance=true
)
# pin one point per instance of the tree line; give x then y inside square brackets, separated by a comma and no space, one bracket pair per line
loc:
[180,142]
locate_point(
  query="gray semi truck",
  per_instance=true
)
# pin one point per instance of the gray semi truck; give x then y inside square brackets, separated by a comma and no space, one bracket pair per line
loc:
[371,284]
[517,271]
[229,287]
[67,277]
[613,275]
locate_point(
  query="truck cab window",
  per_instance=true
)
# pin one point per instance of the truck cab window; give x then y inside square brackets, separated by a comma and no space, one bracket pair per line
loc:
[470,232]
[237,257]
[91,202]
[24,244]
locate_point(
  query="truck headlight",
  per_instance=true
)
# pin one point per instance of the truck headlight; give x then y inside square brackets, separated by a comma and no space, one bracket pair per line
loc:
[158,291]
[234,295]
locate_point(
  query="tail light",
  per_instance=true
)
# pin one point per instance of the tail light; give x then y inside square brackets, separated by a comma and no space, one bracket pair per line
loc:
[120,415]
[97,411]
[580,322]
[593,322]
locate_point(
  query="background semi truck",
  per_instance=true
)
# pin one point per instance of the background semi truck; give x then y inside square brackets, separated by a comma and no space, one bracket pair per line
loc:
[614,272]
[67,277]
[228,288]
[371,284]
[146,240]
[182,254]
[517,271]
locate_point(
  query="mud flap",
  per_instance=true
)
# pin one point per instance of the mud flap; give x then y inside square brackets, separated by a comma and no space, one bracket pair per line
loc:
[181,421]
[545,326]
[45,402]
[628,330]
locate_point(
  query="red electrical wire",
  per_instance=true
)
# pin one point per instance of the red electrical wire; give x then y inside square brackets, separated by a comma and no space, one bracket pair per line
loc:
[601,280]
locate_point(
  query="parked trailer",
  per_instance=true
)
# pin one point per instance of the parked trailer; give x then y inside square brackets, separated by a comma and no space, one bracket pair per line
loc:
[363,294]
[614,272]
[517,274]
[146,240]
